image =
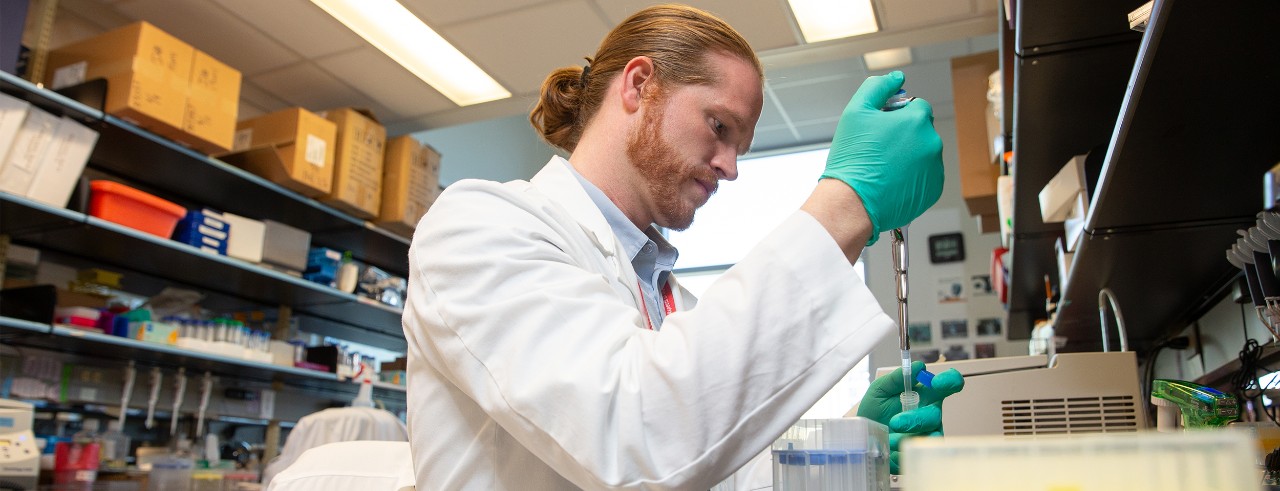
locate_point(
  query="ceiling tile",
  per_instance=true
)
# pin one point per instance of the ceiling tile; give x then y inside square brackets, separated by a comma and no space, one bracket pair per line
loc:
[941,51]
[805,74]
[773,139]
[766,24]
[566,32]
[932,81]
[822,99]
[393,87]
[212,29]
[769,114]
[443,13]
[817,131]
[308,86]
[249,111]
[297,24]
[905,14]
[252,94]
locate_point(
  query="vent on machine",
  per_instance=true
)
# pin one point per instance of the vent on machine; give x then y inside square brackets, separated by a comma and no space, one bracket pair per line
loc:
[1108,414]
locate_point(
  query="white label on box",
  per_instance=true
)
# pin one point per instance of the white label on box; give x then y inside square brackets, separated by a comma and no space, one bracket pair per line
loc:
[244,138]
[70,75]
[316,148]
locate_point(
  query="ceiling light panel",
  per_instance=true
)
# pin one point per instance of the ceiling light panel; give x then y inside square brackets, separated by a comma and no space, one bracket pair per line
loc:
[887,58]
[399,34]
[822,20]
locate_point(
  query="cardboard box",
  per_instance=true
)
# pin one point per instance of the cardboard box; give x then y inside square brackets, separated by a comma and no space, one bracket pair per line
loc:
[357,174]
[410,183]
[294,148]
[978,169]
[63,163]
[26,153]
[147,72]
[212,104]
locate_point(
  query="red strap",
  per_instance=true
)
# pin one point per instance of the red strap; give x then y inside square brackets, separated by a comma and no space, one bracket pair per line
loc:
[668,302]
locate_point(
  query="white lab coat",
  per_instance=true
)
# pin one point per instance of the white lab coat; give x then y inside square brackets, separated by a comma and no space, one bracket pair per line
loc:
[530,367]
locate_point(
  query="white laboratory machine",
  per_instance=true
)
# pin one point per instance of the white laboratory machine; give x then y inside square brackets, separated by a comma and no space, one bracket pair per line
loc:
[19,456]
[1037,395]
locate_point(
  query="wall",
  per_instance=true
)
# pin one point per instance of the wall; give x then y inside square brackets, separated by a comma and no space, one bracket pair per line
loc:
[1223,332]
[500,150]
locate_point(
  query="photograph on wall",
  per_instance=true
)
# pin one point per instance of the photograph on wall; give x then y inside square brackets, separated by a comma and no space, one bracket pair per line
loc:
[984,350]
[950,290]
[920,332]
[980,285]
[955,328]
[989,326]
[925,355]
[955,353]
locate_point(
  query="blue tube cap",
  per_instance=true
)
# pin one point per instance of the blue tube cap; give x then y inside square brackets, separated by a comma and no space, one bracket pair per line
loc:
[925,377]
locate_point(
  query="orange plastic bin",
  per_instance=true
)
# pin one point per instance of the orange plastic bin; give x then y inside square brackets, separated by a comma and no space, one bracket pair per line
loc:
[115,202]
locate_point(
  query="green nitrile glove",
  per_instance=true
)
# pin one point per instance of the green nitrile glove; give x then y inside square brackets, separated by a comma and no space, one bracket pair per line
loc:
[881,404]
[892,159]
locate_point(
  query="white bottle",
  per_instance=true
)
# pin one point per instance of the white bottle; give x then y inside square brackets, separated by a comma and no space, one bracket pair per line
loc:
[115,447]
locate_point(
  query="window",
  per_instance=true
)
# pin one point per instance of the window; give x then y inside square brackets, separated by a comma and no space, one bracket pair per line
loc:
[769,189]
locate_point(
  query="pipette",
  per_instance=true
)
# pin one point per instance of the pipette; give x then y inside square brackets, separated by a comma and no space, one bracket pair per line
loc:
[909,398]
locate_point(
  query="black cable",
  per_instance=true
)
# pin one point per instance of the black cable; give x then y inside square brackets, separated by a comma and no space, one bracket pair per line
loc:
[1250,365]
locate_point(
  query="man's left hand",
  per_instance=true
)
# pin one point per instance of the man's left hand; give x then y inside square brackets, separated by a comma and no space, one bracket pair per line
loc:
[881,403]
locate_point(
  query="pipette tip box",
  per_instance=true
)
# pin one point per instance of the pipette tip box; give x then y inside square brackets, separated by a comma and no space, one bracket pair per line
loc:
[832,454]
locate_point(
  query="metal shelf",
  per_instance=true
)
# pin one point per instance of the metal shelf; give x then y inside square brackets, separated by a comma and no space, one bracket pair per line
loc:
[99,240]
[1047,27]
[1065,104]
[1182,172]
[128,150]
[103,346]
[1162,279]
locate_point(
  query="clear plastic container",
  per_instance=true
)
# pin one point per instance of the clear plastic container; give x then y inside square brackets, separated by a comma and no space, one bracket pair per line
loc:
[206,480]
[849,454]
[170,474]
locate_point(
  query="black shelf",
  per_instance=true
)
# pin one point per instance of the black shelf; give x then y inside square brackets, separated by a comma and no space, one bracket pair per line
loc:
[21,216]
[1065,104]
[1046,26]
[1192,143]
[117,245]
[1182,173]
[103,346]
[144,157]
[1162,280]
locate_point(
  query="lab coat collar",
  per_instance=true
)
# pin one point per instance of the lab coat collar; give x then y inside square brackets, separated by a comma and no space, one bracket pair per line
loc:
[558,184]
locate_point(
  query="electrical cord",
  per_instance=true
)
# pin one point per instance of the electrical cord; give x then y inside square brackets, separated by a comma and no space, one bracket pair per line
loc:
[1248,375]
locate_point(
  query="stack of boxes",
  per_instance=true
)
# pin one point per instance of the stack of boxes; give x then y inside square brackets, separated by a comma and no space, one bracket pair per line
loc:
[158,82]
[294,148]
[411,176]
[357,175]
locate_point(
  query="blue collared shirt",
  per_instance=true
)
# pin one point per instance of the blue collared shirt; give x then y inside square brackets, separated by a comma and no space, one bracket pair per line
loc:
[651,255]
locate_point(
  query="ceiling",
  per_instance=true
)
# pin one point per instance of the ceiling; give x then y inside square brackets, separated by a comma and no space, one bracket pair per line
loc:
[293,54]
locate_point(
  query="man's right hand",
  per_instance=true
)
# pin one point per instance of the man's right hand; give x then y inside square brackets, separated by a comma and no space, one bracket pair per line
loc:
[892,159]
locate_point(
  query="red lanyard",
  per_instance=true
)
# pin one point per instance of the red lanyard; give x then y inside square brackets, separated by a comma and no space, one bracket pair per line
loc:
[668,302]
